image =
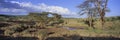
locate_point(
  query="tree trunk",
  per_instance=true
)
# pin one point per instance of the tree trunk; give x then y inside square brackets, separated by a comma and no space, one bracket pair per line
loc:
[102,22]
[91,20]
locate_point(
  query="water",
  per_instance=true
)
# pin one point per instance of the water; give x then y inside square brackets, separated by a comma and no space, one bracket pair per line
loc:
[69,28]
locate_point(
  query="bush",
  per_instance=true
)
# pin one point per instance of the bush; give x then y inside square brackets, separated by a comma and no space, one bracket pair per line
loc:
[9,32]
[61,21]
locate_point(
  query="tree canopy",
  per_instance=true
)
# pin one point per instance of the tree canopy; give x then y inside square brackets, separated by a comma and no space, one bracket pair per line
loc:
[43,18]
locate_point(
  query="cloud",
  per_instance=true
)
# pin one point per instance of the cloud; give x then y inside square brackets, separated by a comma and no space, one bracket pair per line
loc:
[42,7]
[6,4]
[26,7]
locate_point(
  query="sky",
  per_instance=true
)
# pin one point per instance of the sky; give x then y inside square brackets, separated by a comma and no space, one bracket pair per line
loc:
[66,8]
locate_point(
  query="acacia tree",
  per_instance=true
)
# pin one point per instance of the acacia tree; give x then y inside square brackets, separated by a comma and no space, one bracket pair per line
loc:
[98,7]
[101,6]
[57,18]
[40,18]
[87,8]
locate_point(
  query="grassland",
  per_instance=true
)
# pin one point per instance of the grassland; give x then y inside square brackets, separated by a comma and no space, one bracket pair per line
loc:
[27,29]
[110,28]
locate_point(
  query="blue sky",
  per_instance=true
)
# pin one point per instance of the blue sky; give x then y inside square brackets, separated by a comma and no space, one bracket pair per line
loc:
[67,8]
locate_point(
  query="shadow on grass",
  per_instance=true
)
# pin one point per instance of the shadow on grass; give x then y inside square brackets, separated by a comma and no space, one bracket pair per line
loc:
[4,24]
[17,38]
[1,31]
[76,37]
